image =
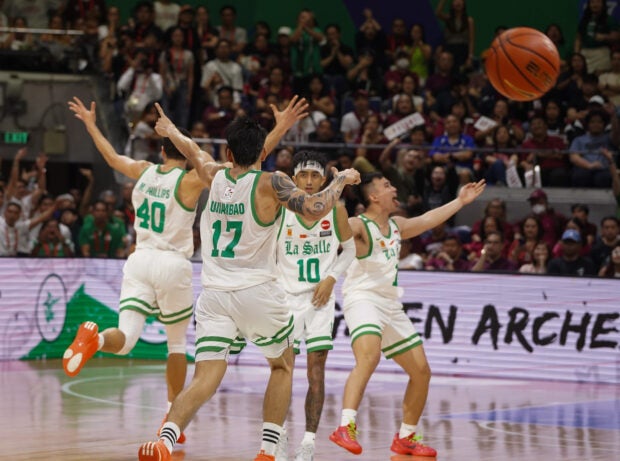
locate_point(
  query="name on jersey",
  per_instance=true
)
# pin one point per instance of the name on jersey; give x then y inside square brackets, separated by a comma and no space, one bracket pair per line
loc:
[231,209]
[307,248]
[154,191]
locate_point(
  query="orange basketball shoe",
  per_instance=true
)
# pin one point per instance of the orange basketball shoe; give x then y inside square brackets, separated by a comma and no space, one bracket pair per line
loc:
[181,438]
[81,349]
[154,451]
[346,437]
[411,445]
[264,457]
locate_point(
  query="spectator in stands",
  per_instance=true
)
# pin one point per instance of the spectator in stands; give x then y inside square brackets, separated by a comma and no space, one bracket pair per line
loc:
[596,32]
[21,41]
[366,73]
[276,85]
[556,35]
[141,84]
[606,242]
[491,258]
[544,152]
[571,262]
[222,71]
[590,166]
[609,82]
[454,148]
[17,189]
[144,143]
[367,158]
[431,241]
[217,117]
[437,192]
[126,206]
[166,13]
[111,24]
[406,175]
[441,80]
[495,208]
[45,203]
[487,225]
[497,162]
[4,22]
[208,35]
[393,77]
[70,219]
[581,211]
[539,260]
[99,237]
[573,224]
[501,116]
[326,134]
[236,36]
[177,71]
[14,231]
[551,221]
[409,88]
[408,258]
[77,10]
[51,242]
[305,50]
[419,53]
[402,108]
[37,11]
[570,81]
[612,268]
[459,33]
[336,58]
[371,39]
[397,40]
[522,247]
[352,122]
[319,97]
[282,48]
[578,107]
[56,44]
[554,118]
[451,256]
[144,19]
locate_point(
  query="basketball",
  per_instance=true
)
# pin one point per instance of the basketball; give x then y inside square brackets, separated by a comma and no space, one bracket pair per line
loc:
[522,64]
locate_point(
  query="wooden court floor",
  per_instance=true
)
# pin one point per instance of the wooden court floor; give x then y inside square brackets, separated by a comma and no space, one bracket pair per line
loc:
[115,404]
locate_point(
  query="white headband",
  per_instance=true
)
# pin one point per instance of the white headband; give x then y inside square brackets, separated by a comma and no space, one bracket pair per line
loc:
[310,165]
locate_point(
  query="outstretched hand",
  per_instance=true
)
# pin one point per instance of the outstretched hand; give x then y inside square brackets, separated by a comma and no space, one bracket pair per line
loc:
[164,124]
[471,191]
[81,112]
[295,111]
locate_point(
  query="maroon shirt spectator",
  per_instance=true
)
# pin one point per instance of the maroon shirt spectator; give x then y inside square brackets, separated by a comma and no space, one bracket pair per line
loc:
[553,223]
[491,258]
[554,166]
[497,209]
[450,258]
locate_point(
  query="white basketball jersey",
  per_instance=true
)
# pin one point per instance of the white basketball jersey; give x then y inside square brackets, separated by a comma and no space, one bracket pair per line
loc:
[377,271]
[238,251]
[306,253]
[162,221]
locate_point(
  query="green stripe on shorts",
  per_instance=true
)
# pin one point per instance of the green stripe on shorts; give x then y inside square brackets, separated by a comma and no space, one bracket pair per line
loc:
[402,346]
[138,309]
[366,329]
[176,317]
[320,343]
[280,336]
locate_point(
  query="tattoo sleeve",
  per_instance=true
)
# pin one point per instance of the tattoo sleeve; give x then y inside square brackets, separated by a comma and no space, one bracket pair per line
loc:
[310,206]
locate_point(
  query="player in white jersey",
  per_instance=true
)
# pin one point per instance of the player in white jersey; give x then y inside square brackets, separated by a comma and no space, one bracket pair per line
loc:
[157,277]
[375,315]
[241,296]
[309,265]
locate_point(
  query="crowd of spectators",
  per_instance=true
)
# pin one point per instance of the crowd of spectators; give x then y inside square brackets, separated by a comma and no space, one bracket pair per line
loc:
[360,94]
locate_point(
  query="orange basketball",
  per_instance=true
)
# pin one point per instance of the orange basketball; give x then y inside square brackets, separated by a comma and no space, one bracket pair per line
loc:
[522,64]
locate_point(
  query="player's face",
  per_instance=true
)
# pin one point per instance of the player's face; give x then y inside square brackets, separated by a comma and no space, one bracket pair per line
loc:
[309,181]
[385,194]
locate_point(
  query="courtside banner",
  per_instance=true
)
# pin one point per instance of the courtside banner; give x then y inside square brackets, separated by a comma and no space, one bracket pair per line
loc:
[512,326]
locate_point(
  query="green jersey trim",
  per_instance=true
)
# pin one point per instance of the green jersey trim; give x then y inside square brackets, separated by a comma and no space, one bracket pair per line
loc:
[176,194]
[159,170]
[253,197]
[233,180]
[303,224]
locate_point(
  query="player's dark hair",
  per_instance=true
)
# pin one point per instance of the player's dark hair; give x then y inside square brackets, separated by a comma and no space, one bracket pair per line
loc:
[304,156]
[245,138]
[365,185]
[171,150]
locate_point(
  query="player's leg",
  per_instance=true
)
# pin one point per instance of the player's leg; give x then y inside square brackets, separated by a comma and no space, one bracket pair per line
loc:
[176,364]
[404,345]
[365,321]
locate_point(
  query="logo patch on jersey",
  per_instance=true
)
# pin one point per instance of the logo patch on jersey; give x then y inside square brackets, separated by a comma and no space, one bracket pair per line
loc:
[325,233]
[325,224]
[228,194]
[382,244]
[303,236]
[289,232]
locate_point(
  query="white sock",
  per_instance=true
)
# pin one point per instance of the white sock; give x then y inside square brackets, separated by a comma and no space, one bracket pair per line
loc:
[101,341]
[271,436]
[169,434]
[406,430]
[348,416]
[308,438]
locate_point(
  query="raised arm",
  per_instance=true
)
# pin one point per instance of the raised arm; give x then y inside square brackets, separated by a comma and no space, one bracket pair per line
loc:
[410,227]
[203,163]
[285,119]
[128,166]
[14,176]
[314,206]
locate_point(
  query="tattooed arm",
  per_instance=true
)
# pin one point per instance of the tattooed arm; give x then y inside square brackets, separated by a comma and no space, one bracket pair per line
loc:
[312,206]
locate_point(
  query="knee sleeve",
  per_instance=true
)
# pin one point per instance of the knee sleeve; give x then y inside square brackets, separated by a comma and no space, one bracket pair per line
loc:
[131,324]
[177,337]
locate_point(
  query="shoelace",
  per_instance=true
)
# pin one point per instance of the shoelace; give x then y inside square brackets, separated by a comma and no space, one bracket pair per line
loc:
[352,430]
[414,438]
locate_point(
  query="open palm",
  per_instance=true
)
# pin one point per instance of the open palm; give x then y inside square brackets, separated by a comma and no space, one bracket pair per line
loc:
[471,191]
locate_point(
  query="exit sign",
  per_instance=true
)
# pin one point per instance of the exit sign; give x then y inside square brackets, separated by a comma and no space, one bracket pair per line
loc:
[15,137]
